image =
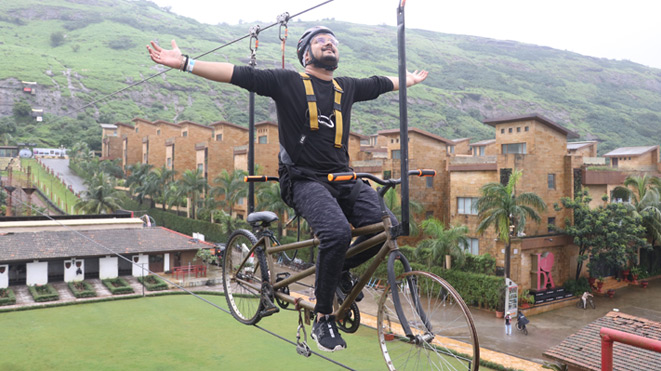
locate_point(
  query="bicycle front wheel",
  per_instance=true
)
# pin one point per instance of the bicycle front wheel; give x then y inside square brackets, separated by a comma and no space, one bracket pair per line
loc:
[242,277]
[443,335]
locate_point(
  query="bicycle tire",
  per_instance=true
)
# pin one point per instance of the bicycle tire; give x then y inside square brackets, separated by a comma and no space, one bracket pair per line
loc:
[591,302]
[525,331]
[452,342]
[287,257]
[242,283]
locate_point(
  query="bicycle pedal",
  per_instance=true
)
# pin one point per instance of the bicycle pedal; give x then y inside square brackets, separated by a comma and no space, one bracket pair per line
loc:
[268,308]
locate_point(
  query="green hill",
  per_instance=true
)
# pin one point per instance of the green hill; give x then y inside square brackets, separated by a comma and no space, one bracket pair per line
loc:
[80,51]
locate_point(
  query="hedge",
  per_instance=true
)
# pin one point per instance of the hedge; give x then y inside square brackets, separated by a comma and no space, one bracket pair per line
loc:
[153,283]
[43,293]
[188,226]
[7,297]
[86,292]
[118,286]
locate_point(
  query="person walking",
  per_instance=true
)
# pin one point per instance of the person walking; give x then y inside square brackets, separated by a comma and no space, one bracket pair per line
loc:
[314,116]
[508,324]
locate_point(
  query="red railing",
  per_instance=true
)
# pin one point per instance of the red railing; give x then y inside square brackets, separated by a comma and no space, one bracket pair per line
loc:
[609,336]
[190,270]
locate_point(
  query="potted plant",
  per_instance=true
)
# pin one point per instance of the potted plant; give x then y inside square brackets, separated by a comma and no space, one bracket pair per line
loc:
[625,274]
[600,283]
[610,293]
[635,273]
[644,284]
[526,299]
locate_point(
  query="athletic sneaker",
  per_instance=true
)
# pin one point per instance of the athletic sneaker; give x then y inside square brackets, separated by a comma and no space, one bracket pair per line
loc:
[346,285]
[325,333]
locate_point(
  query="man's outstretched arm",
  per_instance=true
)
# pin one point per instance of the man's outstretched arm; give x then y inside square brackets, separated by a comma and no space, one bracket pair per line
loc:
[411,79]
[216,71]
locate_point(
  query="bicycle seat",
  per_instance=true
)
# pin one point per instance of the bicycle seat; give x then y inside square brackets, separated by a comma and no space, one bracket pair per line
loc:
[265,217]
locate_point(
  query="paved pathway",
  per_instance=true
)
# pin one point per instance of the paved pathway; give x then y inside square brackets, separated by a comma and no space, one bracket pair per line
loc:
[61,167]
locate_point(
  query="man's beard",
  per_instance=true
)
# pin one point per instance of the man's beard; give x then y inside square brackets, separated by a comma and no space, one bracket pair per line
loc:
[328,62]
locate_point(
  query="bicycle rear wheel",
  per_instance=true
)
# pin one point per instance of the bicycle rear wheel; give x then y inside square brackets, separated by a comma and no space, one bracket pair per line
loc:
[242,282]
[448,340]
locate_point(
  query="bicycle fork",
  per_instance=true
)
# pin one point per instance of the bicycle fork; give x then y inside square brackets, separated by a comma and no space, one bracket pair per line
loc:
[413,286]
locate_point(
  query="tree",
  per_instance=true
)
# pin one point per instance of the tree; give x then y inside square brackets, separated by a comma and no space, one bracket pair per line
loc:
[394,203]
[500,207]
[580,227]
[101,197]
[645,200]
[56,39]
[443,241]
[192,184]
[21,109]
[268,198]
[231,187]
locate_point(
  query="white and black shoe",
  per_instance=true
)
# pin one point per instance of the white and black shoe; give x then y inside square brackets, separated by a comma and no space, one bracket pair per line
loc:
[324,332]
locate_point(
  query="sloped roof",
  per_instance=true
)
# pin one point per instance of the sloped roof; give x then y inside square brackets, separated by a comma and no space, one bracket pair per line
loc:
[583,349]
[630,151]
[539,118]
[419,131]
[483,143]
[579,145]
[64,244]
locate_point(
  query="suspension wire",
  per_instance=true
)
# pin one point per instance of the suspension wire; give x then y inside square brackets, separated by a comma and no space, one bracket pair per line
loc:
[106,97]
[69,229]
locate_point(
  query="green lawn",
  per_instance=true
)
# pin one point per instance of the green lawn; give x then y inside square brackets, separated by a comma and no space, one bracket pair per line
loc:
[174,332]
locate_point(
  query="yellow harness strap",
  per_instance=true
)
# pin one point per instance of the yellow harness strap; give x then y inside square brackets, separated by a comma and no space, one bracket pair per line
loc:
[314,111]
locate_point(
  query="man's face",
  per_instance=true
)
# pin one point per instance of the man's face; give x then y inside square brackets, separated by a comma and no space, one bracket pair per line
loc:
[324,47]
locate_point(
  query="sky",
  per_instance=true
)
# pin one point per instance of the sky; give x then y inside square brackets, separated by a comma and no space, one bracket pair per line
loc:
[614,29]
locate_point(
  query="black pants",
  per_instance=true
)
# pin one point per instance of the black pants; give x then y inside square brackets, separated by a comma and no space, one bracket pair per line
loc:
[331,220]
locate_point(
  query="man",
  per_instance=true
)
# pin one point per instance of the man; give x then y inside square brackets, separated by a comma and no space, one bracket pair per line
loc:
[313,142]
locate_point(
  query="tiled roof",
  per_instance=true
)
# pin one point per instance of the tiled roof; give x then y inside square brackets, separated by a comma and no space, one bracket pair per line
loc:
[583,349]
[630,151]
[64,244]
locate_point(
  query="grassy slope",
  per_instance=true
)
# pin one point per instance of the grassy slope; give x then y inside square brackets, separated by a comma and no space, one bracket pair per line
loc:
[471,78]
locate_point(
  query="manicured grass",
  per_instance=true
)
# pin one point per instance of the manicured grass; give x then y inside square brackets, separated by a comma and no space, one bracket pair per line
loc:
[177,332]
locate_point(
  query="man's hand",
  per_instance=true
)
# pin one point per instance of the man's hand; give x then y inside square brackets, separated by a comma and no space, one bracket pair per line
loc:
[171,58]
[416,77]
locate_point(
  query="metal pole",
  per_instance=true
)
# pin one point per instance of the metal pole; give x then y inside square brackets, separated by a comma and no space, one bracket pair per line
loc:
[403,119]
[251,152]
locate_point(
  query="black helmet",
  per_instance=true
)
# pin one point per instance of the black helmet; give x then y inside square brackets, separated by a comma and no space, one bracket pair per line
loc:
[304,41]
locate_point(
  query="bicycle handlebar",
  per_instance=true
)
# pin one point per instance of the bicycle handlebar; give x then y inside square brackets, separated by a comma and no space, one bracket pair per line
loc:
[260,178]
[343,177]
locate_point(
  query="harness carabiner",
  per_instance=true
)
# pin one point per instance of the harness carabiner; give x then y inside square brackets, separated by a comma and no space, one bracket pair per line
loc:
[283,19]
[254,33]
[302,348]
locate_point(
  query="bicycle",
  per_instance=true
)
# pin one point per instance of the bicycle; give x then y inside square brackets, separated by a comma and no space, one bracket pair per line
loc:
[521,322]
[585,300]
[421,321]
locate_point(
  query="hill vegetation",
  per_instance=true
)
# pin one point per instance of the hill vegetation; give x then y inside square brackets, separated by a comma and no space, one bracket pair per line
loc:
[80,51]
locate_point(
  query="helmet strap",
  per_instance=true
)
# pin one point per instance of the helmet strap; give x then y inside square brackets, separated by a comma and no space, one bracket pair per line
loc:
[319,64]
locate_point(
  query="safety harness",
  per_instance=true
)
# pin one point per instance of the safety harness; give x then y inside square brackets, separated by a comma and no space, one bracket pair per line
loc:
[314,111]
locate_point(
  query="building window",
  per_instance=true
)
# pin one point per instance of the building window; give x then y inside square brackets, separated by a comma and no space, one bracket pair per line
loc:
[429,214]
[518,130]
[430,182]
[451,149]
[184,134]
[551,224]
[478,151]
[241,201]
[526,129]
[200,168]
[471,246]
[136,129]
[262,139]
[387,174]
[467,205]
[514,148]
[219,137]
[551,181]
[502,131]
[169,162]
[509,130]
[144,158]
[396,154]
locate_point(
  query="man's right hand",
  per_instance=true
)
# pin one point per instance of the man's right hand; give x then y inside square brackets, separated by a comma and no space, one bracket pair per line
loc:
[171,58]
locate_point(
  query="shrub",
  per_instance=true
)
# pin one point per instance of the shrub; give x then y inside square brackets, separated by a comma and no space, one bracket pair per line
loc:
[41,293]
[153,283]
[482,264]
[82,289]
[118,286]
[7,297]
[56,39]
[577,287]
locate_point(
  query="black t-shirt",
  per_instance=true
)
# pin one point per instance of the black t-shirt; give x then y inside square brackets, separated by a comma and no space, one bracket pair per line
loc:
[313,150]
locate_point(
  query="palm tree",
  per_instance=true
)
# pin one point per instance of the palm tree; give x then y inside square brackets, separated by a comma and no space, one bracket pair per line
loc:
[645,201]
[192,183]
[163,177]
[268,198]
[443,241]
[231,186]
[507,212]
[136,174]
[101,197]
[394,203]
